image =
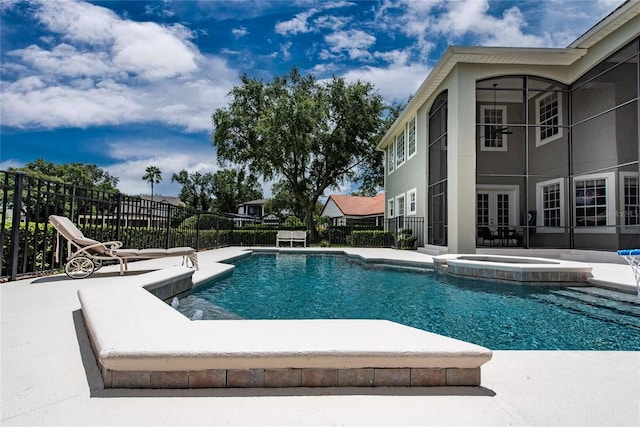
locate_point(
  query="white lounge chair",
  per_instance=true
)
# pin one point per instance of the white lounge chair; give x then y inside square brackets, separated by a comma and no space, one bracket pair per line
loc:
[89,254]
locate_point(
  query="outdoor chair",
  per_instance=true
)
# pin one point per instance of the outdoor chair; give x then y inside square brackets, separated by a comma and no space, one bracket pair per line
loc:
[485,234]
[84,255]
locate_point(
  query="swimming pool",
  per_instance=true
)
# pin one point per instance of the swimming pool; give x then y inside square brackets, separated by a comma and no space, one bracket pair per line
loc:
[495,315]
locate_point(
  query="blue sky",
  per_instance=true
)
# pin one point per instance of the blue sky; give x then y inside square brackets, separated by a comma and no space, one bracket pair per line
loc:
[130,84]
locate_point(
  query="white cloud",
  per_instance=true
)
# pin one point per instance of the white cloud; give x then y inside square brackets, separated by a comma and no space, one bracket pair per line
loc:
[393,83]
[239,32]
[111,71]
[170,156]
[355,42]
[64,60]
[296,25]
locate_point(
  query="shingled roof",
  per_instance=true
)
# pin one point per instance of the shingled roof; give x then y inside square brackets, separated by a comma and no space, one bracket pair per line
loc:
[359,205]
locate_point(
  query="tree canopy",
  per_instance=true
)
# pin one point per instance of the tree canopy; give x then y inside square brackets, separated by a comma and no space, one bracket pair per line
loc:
[197,189]
[153,175]
[81,174]
[232,187]
[314,135]
[221,191]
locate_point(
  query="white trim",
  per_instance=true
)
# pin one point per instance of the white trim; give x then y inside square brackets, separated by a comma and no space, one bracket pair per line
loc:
[610,185]
[539,141]
[413,192]
[391,157]
[514,208]
[626,228]
[540,228]
[414,119]
[483,124]
[390,208]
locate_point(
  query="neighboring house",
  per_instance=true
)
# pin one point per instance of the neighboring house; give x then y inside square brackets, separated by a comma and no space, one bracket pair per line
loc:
[138,213]
[540,142]
[250,212]
[343,209]
[254,208]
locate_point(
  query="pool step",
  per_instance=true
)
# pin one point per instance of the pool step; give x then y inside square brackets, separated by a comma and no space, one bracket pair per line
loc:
[589,305]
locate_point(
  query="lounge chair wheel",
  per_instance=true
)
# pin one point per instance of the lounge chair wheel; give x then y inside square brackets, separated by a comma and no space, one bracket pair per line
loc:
[79,267]
[97,264]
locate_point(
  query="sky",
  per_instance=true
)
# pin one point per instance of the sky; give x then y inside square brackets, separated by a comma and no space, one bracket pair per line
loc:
[131,84]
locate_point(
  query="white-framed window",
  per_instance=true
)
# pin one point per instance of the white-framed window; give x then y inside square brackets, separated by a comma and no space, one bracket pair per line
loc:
[550,204]
[494,120]
[390,208]
[412,202]
[630,199]
[400,147]
[548,118]
[391,150]
[400,205]
[411,138]
[594,203]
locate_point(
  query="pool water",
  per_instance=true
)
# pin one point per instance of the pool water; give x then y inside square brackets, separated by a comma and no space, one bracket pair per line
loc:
[495,315]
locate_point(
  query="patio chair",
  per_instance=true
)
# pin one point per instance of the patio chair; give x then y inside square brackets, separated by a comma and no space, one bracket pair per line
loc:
[485,234]
[89,254]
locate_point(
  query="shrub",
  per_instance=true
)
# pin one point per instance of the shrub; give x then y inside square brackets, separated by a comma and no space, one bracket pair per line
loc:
[207,222]
[370,238]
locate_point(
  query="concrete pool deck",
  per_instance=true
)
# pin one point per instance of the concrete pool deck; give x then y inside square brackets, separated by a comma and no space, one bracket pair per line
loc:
[49,376]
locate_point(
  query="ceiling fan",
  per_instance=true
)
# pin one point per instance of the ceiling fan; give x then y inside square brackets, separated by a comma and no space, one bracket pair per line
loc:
[494,129]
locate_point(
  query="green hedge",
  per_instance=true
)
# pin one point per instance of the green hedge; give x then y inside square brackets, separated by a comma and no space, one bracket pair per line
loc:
[368,238]
[207,222]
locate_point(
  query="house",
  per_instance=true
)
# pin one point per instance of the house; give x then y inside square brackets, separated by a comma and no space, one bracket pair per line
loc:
[137,212]
[538,143]
[253,208]
[344,209]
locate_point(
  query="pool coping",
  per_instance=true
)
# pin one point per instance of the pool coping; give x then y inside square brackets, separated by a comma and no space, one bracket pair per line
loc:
[139,341]
[515,269]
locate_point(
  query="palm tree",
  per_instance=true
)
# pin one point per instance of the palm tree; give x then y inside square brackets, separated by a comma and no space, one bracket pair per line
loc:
[153,175]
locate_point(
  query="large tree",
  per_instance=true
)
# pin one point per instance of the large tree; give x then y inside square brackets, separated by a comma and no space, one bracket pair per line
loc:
[153,175]
[232,187]
[197,189]
[221,191]
[81,174]
[314,135]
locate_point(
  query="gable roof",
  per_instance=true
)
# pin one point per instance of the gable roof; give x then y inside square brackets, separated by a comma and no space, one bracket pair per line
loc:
[359,205]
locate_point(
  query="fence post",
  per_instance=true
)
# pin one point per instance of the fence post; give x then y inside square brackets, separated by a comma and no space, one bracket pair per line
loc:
[15,225]
[197,231]
[168,226]
[118,215]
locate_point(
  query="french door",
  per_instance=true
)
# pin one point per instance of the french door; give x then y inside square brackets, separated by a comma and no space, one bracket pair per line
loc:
[496,206]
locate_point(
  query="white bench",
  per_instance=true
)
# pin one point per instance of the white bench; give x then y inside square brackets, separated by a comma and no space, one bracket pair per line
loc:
[291,237]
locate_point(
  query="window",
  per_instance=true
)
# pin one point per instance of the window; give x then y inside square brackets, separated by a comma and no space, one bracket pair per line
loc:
[548,118]
[411,136]
[413,205]
[390,210]
[594,205]
[482,209]
[550,205]
[400,149]
[391,157]
[630,197]
[494,119]
[400,206]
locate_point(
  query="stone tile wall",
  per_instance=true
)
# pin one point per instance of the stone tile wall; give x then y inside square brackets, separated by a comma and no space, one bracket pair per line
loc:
[307,377]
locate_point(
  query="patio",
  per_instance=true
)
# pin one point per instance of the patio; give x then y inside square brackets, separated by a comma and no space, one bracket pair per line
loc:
[49,375]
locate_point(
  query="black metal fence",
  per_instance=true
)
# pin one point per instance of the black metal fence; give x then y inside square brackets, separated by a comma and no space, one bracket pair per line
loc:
[29,242]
